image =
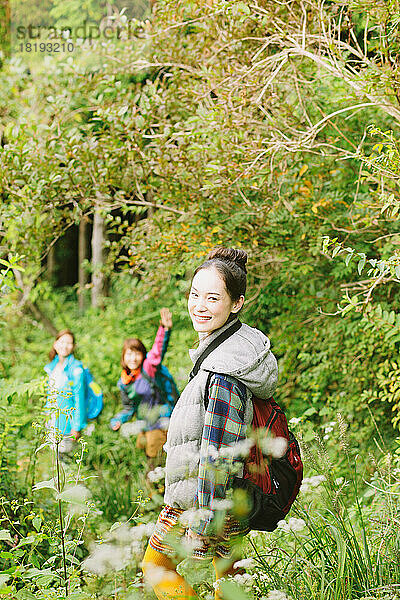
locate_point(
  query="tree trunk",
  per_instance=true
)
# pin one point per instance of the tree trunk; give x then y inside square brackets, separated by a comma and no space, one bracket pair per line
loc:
[97,258]
[5,28]
[39,315]
[82,255]
[26,304]
[150,198]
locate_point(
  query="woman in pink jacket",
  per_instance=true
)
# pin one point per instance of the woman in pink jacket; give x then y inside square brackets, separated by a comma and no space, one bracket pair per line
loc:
[138,393]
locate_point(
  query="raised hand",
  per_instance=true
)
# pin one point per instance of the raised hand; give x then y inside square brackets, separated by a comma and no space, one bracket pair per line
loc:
[166,318]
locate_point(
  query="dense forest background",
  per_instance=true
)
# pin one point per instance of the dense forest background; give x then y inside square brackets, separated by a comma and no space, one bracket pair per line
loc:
[271,126]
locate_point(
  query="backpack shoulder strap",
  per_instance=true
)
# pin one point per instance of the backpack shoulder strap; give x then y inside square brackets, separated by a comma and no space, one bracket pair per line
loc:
[214,344]
[210,374]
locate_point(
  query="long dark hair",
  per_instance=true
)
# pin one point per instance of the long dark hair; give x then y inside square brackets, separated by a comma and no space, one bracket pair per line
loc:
[52,352]
[231,265]
[132,344]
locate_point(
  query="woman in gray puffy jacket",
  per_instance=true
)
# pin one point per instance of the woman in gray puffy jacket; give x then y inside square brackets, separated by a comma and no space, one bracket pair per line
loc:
[208,425]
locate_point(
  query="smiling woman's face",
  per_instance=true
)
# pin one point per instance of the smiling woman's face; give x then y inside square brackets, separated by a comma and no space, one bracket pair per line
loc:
[64,346]
[209,303]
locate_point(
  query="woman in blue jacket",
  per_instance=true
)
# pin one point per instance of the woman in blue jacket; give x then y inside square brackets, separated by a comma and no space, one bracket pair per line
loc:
[66,397]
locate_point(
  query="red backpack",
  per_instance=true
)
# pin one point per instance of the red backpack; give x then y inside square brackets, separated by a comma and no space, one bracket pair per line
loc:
[272,484]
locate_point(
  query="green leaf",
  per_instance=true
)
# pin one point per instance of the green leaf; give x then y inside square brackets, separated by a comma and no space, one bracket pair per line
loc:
[391,333]
[76,494]
[361,263]
[30,539]
[3,579]
[25,594]
[4,591]
[349,257]
[37,522]
[47,484]
[45,580]
[325,243]
[5,535]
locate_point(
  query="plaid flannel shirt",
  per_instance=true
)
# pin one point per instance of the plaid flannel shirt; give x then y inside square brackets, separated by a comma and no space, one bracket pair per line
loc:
[223,426]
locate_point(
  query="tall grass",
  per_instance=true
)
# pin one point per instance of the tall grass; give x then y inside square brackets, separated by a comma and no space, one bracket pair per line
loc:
[347,544]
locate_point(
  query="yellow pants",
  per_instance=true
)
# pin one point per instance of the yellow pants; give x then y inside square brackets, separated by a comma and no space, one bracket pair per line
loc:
[160,571]
[152,442]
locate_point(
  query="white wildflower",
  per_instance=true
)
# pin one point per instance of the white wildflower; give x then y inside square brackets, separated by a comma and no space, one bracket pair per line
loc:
[309,483]
[212,452]
[294,421]
[275,447]
[157,474]
[339,480]
[187,517]
[137,549]
[132,428]
[326,437]
[245,563]
[144,530]
[218,582]
[154,575]
[193,516]
[276,595]
[150,527]
[239,449]
[123,534]
[244,579]
[222,504]
[107,557]
[190,544]
[293,525]
[316,480]
[328,429]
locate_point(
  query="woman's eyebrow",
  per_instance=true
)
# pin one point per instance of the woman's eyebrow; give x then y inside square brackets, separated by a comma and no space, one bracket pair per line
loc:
[213,293]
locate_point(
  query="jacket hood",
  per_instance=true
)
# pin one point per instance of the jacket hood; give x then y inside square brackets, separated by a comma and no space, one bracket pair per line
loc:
[245,355]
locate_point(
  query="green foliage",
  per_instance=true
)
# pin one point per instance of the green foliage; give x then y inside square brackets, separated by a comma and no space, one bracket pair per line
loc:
[217,123]
[344,545]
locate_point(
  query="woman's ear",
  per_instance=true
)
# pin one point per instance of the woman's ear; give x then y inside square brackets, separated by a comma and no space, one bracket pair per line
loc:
[238,305]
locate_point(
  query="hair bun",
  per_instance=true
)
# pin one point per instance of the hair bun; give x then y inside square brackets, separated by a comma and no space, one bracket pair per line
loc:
[239,257]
